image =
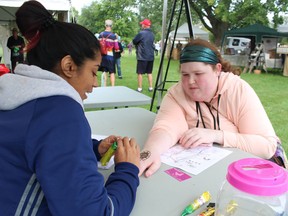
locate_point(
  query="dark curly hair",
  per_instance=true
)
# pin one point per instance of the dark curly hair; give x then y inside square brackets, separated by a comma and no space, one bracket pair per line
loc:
[50,40]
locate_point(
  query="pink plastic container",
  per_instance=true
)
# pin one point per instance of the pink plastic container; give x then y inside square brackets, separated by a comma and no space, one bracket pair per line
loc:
[253,187]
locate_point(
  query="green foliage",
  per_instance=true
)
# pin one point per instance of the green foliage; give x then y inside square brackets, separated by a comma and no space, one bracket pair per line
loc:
[127,14]
[153,9]
[74,15]
[125,21]
[238,17]
[276,7]
[219,16]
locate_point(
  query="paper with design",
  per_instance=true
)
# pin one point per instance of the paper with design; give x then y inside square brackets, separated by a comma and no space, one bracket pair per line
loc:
[193,160]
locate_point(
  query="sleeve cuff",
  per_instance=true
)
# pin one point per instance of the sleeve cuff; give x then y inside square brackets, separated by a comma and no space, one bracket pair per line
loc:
[95,148]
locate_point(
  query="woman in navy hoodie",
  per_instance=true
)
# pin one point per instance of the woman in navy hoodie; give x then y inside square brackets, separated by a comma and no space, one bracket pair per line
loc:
[48,159]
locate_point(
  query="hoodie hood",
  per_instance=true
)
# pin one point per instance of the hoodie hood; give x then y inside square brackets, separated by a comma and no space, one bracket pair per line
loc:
[31,82]
[226,80]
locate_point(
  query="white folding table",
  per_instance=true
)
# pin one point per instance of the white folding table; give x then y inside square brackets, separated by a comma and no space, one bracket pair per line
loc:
[160,194]
[115,96]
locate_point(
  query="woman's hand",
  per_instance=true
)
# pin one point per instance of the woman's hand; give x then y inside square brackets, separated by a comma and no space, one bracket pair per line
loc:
[127,151]
[106,143]
[200,136]
[149,163]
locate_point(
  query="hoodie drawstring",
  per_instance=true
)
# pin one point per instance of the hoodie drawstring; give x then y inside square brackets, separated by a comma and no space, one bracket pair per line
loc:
[199,112]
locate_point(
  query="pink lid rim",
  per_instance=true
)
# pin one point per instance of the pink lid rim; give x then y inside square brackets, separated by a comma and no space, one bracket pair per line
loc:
[258,176]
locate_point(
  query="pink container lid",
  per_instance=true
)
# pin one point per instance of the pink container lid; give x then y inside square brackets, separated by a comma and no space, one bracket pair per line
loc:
[258,176]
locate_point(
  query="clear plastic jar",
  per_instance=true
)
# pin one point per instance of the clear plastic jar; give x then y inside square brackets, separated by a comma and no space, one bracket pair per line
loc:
[253,187]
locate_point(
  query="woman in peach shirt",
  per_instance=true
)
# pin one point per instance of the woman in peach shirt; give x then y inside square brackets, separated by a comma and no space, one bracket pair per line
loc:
[211,104]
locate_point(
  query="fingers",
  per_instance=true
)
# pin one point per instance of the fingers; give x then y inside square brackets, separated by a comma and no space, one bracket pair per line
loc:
[192,138]
[131,143]
[149,164]
[128,151]
[112,138]
[105,144]
[141,169]
[186,139]
[189,140]
[152,169]
[120,145]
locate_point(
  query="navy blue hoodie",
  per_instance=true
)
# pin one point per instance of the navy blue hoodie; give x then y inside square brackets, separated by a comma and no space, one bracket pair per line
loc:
[48,159]
[144,42]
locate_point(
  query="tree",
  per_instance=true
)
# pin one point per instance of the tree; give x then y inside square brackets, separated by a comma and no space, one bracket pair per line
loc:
[153,9]
[219,16]
[122,12]
[74,15]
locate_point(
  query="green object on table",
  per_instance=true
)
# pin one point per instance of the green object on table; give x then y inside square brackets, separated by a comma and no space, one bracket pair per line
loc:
[197,203]
[107,156]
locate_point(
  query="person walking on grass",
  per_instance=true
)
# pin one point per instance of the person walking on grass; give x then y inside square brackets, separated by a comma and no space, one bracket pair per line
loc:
[130,46]
[144,42]
[117,57]
[108,62]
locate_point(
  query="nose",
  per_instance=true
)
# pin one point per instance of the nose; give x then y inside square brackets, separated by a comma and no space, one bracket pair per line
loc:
[191,79]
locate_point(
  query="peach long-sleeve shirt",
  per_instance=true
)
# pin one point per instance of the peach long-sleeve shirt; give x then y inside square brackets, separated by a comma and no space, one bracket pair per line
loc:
[242,118]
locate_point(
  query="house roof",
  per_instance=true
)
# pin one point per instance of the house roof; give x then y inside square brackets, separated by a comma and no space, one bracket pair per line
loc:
[257,30]
[183,32]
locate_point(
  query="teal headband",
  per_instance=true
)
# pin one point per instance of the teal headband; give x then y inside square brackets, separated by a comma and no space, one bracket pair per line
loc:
[196,53]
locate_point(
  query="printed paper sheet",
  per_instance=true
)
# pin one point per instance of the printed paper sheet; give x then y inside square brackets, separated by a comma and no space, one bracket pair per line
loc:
[193,160]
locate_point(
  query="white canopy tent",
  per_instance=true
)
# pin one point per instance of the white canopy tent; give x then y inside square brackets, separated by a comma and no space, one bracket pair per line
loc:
[8,9]
[182,37]
[183,33]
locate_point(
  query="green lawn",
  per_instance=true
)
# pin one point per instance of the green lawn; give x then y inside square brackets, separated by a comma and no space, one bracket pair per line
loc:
[272,89]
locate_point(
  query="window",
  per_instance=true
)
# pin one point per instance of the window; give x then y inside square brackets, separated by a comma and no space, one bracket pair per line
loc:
[235,42]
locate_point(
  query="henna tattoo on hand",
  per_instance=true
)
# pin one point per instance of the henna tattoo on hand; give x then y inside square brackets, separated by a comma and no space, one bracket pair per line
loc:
[145,155]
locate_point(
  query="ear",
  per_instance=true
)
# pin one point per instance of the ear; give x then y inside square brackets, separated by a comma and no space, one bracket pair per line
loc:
[68,66]
[218,69]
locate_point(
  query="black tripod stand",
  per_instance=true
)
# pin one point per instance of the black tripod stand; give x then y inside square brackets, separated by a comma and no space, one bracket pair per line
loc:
[160,81]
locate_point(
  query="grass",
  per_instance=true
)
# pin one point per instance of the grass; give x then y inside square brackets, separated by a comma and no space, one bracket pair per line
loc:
[271,87]
[272,90]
